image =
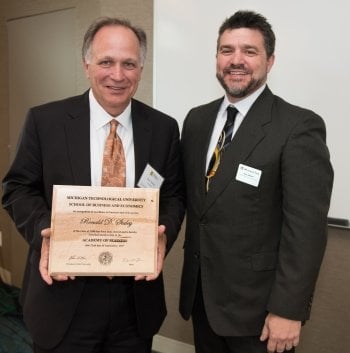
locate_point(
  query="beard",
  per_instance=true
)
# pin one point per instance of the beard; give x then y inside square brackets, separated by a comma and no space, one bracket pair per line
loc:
[238,91]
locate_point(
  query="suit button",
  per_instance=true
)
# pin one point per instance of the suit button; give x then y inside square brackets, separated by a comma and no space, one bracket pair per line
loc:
[196,255]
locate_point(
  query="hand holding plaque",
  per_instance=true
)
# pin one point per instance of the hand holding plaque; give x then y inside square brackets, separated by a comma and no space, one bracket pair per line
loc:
[103,231]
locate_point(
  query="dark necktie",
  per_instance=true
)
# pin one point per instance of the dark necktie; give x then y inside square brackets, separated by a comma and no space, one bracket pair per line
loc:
[223,142]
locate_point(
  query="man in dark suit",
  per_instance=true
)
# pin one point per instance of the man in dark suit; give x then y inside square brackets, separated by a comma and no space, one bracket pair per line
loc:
[62,143]
[257,203]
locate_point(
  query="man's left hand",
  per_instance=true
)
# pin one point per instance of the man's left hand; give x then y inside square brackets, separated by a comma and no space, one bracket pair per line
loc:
[281,334]
[160,256]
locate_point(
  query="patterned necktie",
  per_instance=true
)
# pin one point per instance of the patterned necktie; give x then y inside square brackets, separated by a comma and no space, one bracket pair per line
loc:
[113,167]
[224,140]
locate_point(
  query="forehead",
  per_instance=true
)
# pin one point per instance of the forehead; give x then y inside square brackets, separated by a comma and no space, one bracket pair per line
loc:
[115,39]
[241,36]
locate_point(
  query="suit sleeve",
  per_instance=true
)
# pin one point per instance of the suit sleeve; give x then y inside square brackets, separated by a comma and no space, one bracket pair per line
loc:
[23,190]
[172,199]
[307,179]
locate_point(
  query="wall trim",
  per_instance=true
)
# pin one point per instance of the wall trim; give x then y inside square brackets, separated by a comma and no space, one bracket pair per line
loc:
[163,344]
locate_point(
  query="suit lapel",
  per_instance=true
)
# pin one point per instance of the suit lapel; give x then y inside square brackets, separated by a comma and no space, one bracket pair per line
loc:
[200,144]
[77,128]
[142,131]
[248,136]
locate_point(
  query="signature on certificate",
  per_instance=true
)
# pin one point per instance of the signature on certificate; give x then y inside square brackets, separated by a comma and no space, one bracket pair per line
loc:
[132,259]
[76,257]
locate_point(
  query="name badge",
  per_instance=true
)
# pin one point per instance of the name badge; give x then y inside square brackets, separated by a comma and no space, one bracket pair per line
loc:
[248,175]
[150,178]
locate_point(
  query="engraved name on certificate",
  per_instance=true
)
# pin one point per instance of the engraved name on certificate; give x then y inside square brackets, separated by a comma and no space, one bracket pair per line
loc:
[103,231]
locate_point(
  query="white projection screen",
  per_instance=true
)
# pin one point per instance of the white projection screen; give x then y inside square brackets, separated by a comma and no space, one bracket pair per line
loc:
[312,66]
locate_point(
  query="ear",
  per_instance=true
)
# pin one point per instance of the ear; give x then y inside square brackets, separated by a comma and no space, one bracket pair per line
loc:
[86,68]
[270,62]
[140,74]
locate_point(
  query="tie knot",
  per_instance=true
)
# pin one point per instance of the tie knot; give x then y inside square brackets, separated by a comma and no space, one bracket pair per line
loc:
[231,114]
[114,124]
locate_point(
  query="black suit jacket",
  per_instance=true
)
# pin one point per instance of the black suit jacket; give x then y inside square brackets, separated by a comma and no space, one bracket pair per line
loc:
[258,249]
[54,148]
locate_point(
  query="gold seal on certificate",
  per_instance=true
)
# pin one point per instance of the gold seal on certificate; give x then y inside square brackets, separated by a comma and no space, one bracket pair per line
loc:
[103,231]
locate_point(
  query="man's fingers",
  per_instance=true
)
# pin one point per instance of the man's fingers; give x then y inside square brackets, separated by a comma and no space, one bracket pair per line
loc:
[161,229]
[264,333]
[160,256]
[46,233]
[289,346]
[44,260]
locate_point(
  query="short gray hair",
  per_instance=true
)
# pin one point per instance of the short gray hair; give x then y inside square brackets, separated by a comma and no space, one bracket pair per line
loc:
[113,21]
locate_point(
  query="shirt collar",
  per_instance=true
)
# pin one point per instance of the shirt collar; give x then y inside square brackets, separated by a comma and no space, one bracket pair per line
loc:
[99,117]
[245,104]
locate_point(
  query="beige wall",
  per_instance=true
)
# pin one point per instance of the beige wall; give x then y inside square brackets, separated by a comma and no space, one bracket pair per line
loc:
[329,325]
[13,252]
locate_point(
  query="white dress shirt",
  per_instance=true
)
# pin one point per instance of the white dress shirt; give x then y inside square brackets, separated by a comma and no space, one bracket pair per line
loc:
[99,130]
[242,106]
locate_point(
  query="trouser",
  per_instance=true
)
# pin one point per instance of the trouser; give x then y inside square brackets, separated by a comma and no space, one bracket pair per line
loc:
[105,320]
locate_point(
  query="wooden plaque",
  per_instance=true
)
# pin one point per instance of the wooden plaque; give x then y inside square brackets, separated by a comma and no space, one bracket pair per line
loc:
[103,231]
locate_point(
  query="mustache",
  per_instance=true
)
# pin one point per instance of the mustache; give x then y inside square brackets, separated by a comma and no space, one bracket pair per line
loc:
[239,67]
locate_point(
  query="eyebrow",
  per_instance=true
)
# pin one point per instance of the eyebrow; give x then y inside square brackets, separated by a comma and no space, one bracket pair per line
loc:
[107,57]
[110,58]
[244,46]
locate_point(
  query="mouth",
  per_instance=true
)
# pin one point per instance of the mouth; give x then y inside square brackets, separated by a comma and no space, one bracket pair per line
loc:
[116,88]
[237,72]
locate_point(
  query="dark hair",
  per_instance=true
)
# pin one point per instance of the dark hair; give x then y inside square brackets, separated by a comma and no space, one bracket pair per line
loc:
[252,20]
[113,21]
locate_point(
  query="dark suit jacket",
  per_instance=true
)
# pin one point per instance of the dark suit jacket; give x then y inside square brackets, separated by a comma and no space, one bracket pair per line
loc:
[258,249]
[54,148]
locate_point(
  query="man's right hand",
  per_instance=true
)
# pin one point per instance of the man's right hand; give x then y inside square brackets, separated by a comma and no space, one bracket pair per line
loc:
[44,260]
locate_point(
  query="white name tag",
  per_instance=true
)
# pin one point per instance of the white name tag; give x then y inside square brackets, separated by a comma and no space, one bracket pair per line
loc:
[248,175]
[150,178]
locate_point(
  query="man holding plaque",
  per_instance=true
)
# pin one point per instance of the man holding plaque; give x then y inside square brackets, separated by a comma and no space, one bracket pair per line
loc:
[66,143]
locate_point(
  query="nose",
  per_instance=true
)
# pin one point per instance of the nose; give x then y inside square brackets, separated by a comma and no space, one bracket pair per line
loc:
[237,58]
[116,72]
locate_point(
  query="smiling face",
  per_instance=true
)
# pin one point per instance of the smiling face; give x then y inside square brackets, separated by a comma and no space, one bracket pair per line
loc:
[113,67]
[242,64]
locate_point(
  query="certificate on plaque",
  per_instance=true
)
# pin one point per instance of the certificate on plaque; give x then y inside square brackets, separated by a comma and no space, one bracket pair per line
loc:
[103,231]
